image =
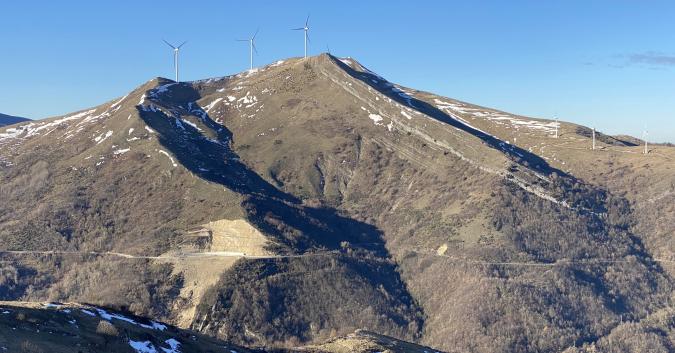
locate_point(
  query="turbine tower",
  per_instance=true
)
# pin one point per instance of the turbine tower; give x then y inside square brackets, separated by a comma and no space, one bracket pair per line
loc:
[556,127]
[175,55]
[593,138]
[306,29]
[644,134]
[252,47]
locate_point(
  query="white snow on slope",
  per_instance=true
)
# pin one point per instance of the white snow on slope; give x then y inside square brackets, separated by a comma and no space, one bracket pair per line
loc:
[191,124]
[247,99]
[90,313]
[212,104]
[168,155]
[173,346]
[347,61]
[100,138]
[375,118]
[108,316]
[142,346]
[497,117]
[35,128]
[160,89]
[121,151]
[119,101]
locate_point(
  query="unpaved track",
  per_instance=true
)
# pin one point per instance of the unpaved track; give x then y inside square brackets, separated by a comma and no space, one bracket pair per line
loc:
[325,253]
[177,256]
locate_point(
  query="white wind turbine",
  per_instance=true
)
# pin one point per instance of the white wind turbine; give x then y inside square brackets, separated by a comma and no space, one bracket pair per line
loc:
[252,47]
[175,55]
[306,29]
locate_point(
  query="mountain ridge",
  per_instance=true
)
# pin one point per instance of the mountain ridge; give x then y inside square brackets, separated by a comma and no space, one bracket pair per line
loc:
[10,119]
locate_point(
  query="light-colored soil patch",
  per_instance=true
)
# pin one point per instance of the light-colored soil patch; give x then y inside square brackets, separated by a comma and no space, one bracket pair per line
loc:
[199,274]
[237,236]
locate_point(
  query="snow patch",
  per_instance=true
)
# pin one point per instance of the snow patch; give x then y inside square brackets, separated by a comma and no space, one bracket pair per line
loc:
[173,346]
[212,104]
[90,313]
[100,138]
[119,102]
[375,118]
[168,155]
[142,346]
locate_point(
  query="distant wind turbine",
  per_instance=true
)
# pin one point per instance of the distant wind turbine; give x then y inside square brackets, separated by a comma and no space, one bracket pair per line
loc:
[306,29]
[252,47]
[644,134]
[175,55]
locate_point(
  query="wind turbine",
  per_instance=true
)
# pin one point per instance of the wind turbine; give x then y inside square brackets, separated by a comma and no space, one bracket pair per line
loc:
[306,29]
[252,47]
[593,138]
[175,55]
[644,134]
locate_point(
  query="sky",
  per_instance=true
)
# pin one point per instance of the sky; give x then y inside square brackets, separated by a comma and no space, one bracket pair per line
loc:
[603,64]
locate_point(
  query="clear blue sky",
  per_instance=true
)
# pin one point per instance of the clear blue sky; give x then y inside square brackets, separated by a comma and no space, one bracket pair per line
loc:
[609,64]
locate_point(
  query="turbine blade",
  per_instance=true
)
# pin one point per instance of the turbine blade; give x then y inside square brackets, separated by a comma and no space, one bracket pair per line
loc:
[182,44]
[298,29]
[242,40]
[256,33]
[308,41]
[169,44]
[254,48]
[307,20]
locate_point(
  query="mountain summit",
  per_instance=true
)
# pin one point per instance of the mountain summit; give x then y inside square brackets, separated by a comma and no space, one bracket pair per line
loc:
[309,198]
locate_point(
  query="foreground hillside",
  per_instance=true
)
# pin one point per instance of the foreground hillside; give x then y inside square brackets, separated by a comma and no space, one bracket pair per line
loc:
[302,201]
[56,327]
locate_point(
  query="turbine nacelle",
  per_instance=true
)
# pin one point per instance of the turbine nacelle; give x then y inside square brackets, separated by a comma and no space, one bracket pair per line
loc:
[252,48]
[176,49]
[305,29]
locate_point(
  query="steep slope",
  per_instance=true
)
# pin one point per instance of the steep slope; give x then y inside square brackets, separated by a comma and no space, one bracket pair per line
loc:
[10,120]
[386,169]
[57,328]
[350,202]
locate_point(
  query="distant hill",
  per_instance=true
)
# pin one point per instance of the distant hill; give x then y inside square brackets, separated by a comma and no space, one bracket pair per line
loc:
[9,119]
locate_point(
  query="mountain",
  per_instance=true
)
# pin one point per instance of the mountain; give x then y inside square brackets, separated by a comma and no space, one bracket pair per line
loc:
[299,202]
[10,120]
